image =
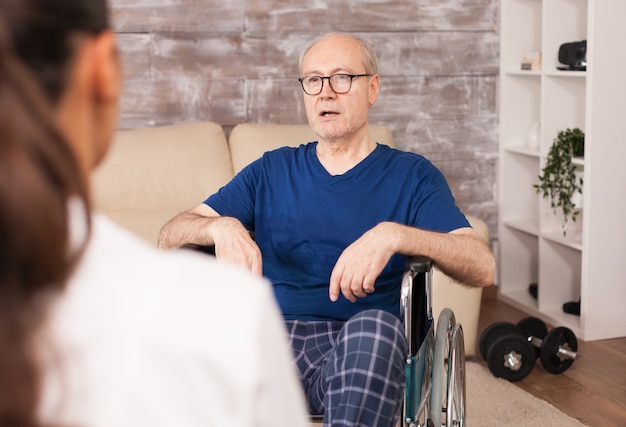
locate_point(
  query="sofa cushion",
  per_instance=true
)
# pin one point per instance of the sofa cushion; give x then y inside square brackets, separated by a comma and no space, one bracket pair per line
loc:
[248,141]
[152,174]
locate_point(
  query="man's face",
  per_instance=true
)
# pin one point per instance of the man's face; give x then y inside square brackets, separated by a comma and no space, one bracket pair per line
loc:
[335,116]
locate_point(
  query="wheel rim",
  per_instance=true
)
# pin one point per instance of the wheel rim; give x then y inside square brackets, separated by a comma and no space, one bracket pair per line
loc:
[441,359]
[455,405]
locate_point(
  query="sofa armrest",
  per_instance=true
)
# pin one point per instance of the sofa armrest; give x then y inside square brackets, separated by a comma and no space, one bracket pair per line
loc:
[152,174]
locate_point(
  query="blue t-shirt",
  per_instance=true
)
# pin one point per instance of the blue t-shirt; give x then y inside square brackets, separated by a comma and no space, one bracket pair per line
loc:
[303,218]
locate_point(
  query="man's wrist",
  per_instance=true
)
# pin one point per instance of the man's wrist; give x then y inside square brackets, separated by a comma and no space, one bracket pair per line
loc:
[392,234]
[223,227]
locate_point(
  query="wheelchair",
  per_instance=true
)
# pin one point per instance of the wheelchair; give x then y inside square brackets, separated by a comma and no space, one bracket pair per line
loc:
[435,361]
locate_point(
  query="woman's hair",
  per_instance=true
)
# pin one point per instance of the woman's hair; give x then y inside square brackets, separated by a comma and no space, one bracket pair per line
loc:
[39,174]
[42,32]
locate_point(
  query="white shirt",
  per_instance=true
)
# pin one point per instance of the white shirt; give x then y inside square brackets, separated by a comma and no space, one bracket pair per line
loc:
[143,337]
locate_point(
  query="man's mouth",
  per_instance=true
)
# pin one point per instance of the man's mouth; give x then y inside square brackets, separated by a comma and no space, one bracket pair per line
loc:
[328,113]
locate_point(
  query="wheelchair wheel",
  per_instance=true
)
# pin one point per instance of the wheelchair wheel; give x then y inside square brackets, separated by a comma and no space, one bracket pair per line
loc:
[448,360]
[455,408]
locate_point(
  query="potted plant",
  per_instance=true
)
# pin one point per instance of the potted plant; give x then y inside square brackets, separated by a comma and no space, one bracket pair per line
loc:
[558,181]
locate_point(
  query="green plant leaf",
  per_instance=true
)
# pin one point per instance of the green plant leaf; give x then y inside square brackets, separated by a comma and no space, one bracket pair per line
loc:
[557,181]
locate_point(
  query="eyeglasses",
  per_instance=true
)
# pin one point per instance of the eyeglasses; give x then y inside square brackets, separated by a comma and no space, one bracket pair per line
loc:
[339,83]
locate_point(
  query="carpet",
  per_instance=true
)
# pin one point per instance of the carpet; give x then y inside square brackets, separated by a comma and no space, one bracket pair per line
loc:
[492,401]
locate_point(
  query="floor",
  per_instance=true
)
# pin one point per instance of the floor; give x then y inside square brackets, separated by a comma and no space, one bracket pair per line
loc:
[592,390]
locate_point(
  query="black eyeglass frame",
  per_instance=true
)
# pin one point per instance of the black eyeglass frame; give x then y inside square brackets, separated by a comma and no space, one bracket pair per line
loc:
[352,77]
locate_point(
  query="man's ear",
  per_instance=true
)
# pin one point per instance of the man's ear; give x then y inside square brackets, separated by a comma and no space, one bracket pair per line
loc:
[107,77]
[373,88]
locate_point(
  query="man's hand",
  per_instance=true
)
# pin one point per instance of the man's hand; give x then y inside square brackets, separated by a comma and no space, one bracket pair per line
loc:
[203,226]
[234,244]
[360,264]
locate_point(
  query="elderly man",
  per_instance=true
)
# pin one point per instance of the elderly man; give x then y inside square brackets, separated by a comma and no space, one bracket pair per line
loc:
[334,221]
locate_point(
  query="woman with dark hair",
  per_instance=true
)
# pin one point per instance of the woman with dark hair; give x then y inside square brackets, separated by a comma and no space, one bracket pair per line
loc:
[96,327]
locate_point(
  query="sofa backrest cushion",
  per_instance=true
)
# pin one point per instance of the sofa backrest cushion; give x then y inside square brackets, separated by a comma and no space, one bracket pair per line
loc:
[248,141]
[152,174]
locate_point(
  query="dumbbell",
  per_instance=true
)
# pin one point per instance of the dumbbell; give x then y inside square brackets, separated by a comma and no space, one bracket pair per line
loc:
[533,329]
[556,349]
[508,353]
[511,350]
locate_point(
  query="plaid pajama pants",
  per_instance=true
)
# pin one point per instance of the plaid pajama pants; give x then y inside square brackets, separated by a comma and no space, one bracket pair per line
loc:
[352,372]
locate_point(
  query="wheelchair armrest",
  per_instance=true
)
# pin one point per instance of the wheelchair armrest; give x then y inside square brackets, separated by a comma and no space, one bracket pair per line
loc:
[415,301]
[419,264]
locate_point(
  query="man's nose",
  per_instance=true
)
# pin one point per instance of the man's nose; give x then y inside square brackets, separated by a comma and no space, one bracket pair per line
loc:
[327,90]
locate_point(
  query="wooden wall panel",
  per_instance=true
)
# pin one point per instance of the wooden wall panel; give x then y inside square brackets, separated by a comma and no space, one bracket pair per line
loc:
[166,101]
[217,55]
[132,16]
[136,56]
[436,53]
[275,101]
[232,61]
[351,15]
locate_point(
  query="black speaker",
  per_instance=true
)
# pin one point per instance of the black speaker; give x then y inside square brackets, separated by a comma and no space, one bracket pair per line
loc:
[573,55]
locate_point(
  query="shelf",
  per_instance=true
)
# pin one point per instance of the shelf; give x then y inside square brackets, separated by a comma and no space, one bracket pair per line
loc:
[553,317]
[572,239]
[518,199]
[584,263]
[578,161]
[550,73]
[523,31]
[525,73]
[556,317]
[563,105]
[525,225]
[520,149]
[565,74]
[521,300]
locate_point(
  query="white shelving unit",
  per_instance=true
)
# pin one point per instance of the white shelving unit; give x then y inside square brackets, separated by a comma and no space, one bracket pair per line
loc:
[587,263]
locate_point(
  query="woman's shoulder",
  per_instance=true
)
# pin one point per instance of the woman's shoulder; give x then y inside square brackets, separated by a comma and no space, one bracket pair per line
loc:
[116,261]
[134,316]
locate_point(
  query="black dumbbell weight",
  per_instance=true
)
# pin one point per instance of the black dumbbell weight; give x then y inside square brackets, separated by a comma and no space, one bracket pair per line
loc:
[556,349]
[511,357]
[492,332]
[535,328]
[507,352]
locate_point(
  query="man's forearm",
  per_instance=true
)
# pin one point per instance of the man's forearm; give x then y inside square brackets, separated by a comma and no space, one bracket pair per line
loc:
[462,255]
[187,227]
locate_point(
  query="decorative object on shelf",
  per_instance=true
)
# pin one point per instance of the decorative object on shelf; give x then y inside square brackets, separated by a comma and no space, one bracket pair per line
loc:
[558,181]
[532,61]
[532,139]
[574,56]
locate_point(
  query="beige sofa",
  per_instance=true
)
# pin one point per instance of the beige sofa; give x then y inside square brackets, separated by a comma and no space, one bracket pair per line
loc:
[152,174]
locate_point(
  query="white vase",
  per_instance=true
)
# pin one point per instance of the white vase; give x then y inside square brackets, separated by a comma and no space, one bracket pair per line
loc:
[532,139]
